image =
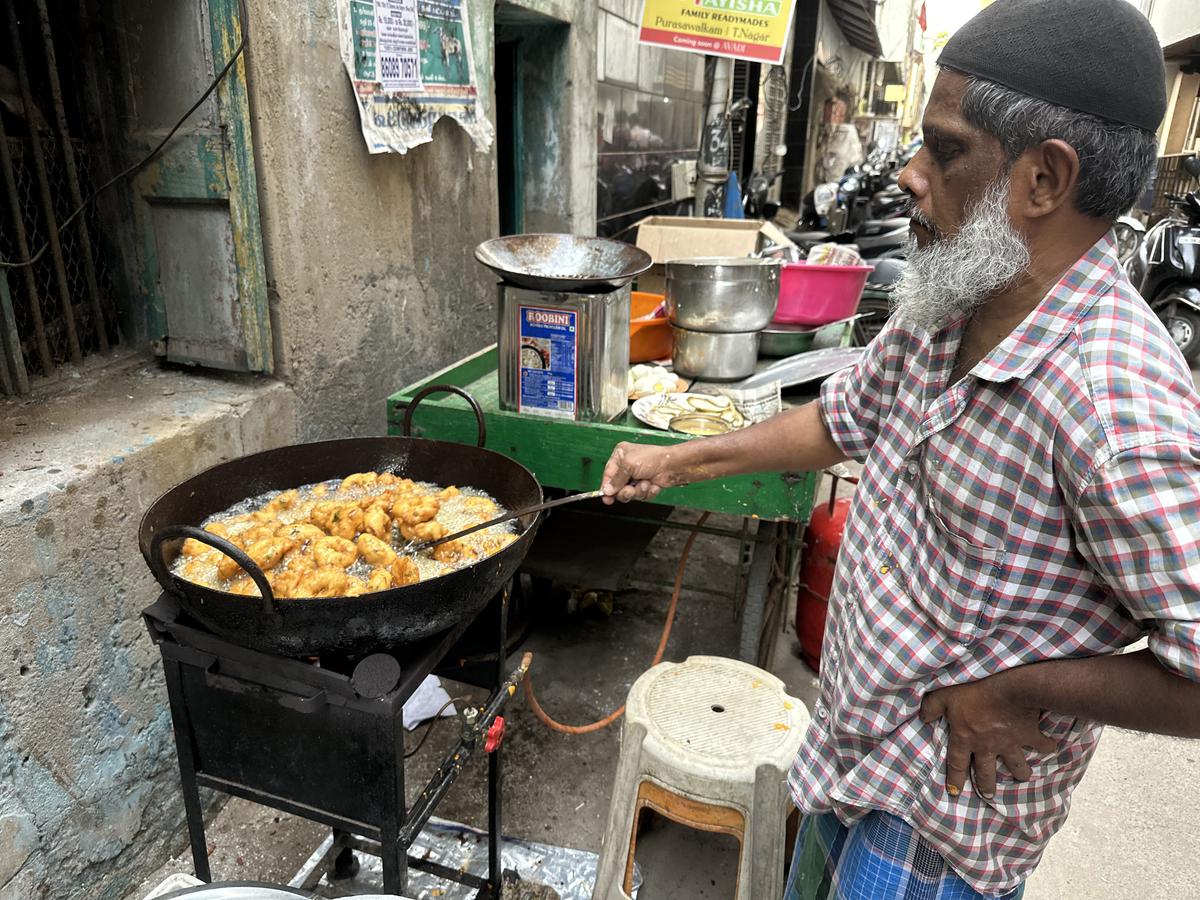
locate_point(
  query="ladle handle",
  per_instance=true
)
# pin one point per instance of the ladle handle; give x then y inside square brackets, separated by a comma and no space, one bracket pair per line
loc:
[507,517]
[172,532]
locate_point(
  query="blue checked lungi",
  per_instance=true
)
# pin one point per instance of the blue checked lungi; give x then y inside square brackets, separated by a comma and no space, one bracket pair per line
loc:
[880,858]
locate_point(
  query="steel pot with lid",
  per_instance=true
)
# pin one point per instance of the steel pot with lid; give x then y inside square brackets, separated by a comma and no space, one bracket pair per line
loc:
[722,295]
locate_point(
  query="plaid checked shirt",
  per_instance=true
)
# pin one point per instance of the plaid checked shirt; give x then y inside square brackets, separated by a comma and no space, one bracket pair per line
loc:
[1046,506]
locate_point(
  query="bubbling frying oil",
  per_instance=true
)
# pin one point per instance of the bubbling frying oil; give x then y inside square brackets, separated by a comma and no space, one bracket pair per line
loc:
[346,537]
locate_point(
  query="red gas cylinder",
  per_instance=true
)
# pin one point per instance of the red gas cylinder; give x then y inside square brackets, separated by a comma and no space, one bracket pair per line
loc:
[822,541]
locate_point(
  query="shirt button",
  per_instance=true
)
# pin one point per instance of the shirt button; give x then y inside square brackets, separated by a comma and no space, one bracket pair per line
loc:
[821,714]
[884,570]
[913,468]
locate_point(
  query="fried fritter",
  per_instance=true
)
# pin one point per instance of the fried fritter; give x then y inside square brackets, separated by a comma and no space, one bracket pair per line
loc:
[415,510]
[377,522]
[300,532]
[425,531]
[375,551]
[286,500]
[342,520]
[266,553]
[494,543]
[452,552]
[380,580]
[244,586]
[404,571]
[358,480]
[249,536]
[335,551]
[326,581]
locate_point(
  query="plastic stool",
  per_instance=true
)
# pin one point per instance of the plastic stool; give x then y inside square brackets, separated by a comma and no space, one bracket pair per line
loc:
[708,744]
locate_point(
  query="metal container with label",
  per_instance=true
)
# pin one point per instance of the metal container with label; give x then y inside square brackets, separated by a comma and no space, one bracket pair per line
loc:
[564,355]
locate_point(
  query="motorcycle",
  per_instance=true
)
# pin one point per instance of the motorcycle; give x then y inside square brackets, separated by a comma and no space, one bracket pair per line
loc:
[1129,232]
[1166,268]
[756,203]
[874,238]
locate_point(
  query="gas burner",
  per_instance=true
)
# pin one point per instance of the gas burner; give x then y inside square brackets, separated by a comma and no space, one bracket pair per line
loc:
[323,738]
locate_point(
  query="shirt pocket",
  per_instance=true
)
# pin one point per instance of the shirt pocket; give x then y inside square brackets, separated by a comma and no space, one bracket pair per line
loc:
[952,577]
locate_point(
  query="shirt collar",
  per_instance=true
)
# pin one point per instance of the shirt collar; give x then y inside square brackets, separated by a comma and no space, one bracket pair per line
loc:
[1044,328]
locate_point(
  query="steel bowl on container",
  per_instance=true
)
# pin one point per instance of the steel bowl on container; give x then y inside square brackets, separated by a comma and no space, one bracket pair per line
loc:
[714,357]
[722,295]
[563,262]
[786,340]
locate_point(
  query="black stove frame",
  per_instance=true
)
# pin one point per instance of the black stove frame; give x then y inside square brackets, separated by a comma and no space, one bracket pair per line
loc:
[325,741]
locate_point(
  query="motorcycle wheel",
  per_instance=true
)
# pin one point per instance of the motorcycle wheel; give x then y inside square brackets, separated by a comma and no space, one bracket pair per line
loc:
[1184,328]
[875,312]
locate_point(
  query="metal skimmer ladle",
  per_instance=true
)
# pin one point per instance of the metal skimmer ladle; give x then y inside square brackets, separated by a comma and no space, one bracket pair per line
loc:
[507,517]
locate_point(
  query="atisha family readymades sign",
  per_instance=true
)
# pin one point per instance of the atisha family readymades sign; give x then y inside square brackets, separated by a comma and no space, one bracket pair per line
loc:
[756,30]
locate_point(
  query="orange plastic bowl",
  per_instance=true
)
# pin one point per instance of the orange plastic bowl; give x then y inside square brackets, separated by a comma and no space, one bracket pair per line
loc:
[649,339]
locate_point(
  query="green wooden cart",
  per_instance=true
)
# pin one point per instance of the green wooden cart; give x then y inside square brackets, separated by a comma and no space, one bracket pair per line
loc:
[571,456]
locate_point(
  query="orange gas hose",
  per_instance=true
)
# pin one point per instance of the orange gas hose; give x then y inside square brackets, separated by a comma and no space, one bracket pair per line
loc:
[658,655]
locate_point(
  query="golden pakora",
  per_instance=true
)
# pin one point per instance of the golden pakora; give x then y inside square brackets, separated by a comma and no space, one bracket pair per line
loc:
[345,538]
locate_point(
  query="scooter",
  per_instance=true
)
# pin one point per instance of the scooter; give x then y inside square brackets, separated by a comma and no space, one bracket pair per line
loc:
[1166,268]
[1130,232]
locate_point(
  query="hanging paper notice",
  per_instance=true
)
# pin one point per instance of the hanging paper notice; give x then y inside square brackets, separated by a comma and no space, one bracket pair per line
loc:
[410,62]
[756,30]
[397,51]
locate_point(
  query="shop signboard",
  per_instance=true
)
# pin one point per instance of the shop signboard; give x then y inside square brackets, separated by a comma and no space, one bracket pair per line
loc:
[755,30]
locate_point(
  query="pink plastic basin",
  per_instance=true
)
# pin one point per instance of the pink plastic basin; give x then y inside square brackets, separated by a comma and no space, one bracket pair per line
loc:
[818,295]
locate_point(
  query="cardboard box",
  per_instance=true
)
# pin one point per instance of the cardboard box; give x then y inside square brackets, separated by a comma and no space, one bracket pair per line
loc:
[667,238]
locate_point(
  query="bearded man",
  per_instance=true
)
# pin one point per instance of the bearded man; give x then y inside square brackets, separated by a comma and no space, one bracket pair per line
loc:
[1030,499]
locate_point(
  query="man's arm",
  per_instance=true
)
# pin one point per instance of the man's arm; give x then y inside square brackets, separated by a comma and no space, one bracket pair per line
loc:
[998,716]
[1130,690]
[795,440]
[1136,525]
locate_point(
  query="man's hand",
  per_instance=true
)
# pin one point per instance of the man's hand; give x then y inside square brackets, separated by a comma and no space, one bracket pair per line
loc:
[636,472]
[986,723]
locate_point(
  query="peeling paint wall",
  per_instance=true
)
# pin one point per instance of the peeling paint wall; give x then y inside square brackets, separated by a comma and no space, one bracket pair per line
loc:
[372,283]
[88,779]
[370,259]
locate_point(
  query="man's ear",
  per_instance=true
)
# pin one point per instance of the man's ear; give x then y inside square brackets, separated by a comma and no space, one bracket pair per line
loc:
[1044,179]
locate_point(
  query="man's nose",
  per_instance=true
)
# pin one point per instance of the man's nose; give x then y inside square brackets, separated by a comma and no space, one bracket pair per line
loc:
[912,182]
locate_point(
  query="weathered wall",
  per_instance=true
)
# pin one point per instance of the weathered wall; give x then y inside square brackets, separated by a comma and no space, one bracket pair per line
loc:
[370,259]
[88,783]
[373,284]
[1173,20]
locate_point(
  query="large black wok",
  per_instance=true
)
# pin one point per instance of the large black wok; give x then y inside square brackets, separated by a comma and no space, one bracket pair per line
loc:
[344,625]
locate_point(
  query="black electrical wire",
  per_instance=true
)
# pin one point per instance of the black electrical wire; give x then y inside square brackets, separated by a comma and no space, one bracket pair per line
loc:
[149,157]
[429,728]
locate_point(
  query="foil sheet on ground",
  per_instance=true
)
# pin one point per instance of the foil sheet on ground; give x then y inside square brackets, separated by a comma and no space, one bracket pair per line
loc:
[570,873]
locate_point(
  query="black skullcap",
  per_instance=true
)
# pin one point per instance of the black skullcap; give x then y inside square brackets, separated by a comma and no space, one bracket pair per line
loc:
[1097,56]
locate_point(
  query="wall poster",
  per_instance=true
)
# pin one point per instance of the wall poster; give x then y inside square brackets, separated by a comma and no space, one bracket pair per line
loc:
[411,63]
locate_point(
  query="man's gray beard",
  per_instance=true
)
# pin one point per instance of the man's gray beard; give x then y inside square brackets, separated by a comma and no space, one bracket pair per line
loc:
[952,278]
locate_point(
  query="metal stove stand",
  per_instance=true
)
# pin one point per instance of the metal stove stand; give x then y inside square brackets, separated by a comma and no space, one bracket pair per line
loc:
[325,740]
